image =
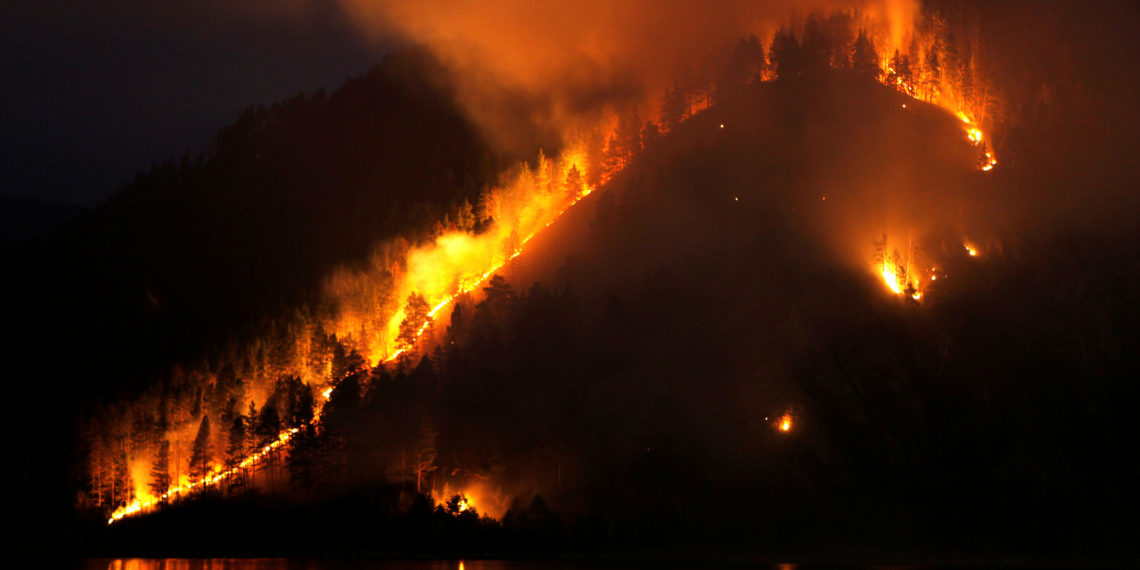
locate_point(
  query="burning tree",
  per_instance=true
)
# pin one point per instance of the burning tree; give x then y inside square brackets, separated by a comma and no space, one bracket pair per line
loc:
[417,318]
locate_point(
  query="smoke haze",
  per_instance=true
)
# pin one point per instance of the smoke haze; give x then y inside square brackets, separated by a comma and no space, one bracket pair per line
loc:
[536,72]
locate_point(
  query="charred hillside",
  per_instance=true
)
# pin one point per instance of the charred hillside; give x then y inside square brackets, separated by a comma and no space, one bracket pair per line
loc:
[634,367]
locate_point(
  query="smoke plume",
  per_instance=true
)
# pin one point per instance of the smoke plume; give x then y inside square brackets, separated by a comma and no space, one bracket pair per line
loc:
[536,72]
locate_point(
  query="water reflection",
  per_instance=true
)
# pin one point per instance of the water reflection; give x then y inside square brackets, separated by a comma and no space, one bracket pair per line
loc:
[282,564]
[358,564]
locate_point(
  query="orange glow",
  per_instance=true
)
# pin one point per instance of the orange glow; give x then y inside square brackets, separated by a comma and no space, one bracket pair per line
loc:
[456,263]
[891,280]
[971,250]
[945,97]
[369,303]
[785,422]
[898,270]
[476,494]
[216,476]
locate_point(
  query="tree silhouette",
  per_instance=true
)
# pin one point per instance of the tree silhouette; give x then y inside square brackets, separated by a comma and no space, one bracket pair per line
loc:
[574,182]
[304,457]
[933,73]
[743,65]
[160,469]
[235,450]
[424,453]
[200,456]
[864,58]
[268,425]
[784,56]
[416,317]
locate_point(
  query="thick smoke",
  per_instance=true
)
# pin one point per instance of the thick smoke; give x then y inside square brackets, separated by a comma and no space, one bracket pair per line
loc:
[536,72]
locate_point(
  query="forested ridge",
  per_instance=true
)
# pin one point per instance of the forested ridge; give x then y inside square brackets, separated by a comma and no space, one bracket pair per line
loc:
[962,425]
[617,387]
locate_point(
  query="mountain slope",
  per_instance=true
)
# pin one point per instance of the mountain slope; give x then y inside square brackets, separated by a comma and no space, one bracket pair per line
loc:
[709,290]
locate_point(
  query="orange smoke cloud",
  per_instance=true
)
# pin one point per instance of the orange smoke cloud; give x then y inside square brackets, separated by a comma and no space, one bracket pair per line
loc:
[557,65]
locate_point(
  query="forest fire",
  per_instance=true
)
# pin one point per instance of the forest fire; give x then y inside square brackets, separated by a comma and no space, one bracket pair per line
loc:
[898,271]
[387,311]
[146,504]
[892,280]
[576,191]
[533,219]
[347,327]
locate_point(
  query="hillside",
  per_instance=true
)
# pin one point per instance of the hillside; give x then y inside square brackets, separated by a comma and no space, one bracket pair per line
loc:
[207,248]
[201,253]
[632,367]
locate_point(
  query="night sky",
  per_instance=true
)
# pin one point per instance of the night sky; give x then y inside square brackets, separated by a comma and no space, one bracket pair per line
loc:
[94,92]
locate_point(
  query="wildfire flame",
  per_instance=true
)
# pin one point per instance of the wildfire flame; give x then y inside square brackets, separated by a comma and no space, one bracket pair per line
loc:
[147,503]
[219,475]
[460,261]
[892,280]
[784,424]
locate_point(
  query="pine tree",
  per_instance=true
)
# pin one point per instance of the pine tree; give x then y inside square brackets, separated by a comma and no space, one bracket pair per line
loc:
[611,157]
[574,183]
[933,73]
[235,450]
[544,174]
[200,456]
[160,469]
[784,55]
[122,484]
[251,422]
[416,317]
[490,204]
[814,50]
[465,217]
[303,458]
[268,425]
[424,454]
[498,291]
[864,58]
[903,72]
[744,65]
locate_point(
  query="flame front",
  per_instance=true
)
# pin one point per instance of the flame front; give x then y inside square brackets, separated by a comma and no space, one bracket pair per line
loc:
[456,263]
[217,476]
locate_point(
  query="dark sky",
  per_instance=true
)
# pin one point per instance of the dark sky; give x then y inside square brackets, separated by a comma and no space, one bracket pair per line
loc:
[94,91]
